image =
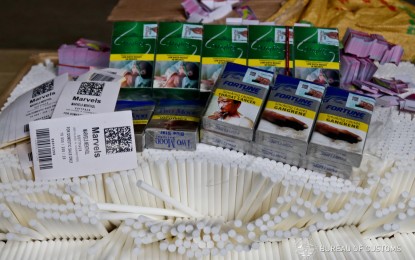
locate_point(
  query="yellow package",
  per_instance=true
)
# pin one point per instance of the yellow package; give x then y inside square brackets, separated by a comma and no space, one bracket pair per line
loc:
[395,20]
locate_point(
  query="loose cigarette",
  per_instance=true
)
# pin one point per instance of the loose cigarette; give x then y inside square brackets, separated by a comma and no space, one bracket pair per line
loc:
[190,174]
[174,180]
[233,175]
[217,189]
[251,197]
[225,191]
[181,170]
[168,199]
[153,202]
[199,196]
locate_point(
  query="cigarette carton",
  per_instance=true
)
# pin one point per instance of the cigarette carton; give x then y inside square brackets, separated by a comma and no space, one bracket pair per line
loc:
[289,115]
[316,55]
[174,127]
[270,48]
[221,44]
[141,112]
[341,127]
[178,55]
[235,105]
[133,49]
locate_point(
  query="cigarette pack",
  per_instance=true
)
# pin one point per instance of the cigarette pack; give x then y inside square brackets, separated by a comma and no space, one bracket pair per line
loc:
[277,154]
[221,44]
[178,55]
[174,127]
[316,55]
[224,141]
[289,115]
[141,112]
[341,127]
[133,49]
[270,48]
[235,105]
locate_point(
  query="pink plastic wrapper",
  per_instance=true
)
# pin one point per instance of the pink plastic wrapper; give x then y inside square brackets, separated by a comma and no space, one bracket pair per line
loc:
[77,59]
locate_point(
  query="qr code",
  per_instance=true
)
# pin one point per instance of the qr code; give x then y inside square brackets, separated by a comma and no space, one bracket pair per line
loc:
[42,89]
[91,89]
[118,139]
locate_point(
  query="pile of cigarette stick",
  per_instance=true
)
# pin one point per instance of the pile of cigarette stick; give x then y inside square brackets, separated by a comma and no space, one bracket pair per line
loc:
[212,203]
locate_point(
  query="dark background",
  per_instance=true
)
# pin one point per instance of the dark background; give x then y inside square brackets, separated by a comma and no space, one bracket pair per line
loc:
[46,24]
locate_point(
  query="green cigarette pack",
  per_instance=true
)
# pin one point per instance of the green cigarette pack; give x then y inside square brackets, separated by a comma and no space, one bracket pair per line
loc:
[270,48]
[178,55]
[133,49]
[221,44]
[316,55]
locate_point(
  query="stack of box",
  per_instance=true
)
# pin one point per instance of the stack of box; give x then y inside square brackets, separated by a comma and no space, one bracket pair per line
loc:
[340,132]
[235,107]
[287,121]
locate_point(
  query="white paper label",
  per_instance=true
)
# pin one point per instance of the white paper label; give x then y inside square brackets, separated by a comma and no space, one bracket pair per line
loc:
[36,104]
[83,145]
[81,98]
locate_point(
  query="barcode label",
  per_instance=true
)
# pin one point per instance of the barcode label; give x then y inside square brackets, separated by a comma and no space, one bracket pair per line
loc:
[44,149]
[26,128]
[100,77]
[82,145]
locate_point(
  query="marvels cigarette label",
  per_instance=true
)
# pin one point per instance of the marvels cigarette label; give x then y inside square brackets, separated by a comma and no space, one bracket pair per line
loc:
[174,117]
[343,121]
[291,109]
[83,145]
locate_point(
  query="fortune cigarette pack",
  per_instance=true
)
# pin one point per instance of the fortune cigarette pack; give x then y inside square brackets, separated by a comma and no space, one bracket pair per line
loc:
[174,127]
[235,105]
[221,44]
[341,127]
[316,55]
[289,115]
[133,49]
[178,55]
[270,48]
[141,112]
